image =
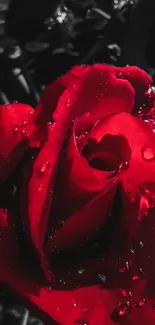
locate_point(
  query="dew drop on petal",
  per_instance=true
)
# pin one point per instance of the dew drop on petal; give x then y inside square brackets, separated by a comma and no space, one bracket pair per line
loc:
[44,167]
[135,277]
[122,269]
[14,131]
[150,93]
[25,121]
[81,271]
[68,103]
[40,187]
[141,302]
[151,123]
[141,244]
[15,102]
[148,153]
[74,303]
[132,250]
[141,271]
[123,310]
[24,131]
[101,277]
[126,293]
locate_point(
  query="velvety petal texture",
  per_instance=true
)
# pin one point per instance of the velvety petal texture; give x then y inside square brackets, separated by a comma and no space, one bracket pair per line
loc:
[15,131]
[77,236]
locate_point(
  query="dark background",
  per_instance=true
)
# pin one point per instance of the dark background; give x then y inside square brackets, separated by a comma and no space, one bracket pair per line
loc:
[41,39]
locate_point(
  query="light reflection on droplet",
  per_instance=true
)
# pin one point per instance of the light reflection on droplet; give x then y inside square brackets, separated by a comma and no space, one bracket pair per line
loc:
[101,277]
[124,309]
[44,167]
[141,244]
[25,121]
[40,187]
[24,131]
[80,271]
[148,153]
[126,293]
[141,302]
[14,131]
[135,277]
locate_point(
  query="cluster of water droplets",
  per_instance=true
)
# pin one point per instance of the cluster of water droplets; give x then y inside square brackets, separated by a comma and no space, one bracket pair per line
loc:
[22,127]
[146,110]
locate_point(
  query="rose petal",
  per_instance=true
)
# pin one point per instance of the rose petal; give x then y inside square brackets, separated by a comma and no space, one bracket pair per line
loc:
[140,173]
[86,221]
[93,88]
[48,102]
[15,123]
[137,77]
[92,303]
[76,186]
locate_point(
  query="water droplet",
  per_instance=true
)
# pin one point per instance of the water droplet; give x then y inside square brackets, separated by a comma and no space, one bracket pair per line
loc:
[141,244]
[74,303]
[80,322]
[124,268]
[123,310]
[121,73]
[135,277]
[44,167]
[80,271]
[141,271]
[132,250]
[141,302]
[127,265]
[101,277]
[59,224]
[126,293]
[151,123]
[14,131]
[101,84]
[9,106]
[150,93]
[15,102]
[68,103]
[146,199]
[24,131]
[125,164]
[40,187]
[148,153]
[25,121]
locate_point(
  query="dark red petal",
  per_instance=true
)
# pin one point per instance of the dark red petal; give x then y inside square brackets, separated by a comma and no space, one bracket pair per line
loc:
[86,221]
[15,130]
[49,100]
[94,304]
[76,186]
[93,90]
[138,78]
[137,179]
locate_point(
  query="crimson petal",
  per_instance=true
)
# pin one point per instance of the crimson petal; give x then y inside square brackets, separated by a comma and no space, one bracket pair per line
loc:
[15,131]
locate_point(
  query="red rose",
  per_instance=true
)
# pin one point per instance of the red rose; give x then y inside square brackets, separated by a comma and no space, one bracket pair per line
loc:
[85,187]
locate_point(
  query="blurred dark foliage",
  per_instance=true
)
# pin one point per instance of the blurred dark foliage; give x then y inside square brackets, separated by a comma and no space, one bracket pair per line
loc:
[41,39]
[37,46]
